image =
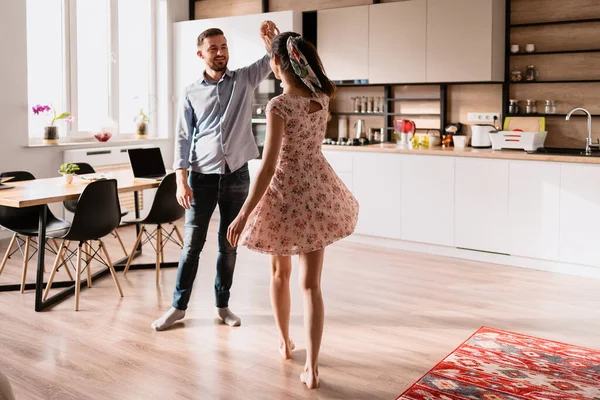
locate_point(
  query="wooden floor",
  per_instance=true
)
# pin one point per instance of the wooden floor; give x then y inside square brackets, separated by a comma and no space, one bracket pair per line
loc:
[390,317]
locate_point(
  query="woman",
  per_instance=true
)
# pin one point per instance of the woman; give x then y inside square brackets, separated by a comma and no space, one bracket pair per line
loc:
[298,205]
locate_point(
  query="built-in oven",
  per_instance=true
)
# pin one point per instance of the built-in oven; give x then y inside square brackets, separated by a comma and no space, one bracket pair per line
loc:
[268,88]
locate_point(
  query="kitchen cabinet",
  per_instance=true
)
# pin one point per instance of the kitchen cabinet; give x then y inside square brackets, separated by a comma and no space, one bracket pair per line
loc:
[377,187]
[465,40]
[580,214]
[481,205]
[243,40]
[343,42]
[341,162]
[534,202]
[398,42]
[428,199]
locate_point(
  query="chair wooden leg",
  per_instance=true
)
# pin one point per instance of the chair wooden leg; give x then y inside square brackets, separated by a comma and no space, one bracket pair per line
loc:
[111,268]
[62,259]
[116,232]
[25,260]
[88,262]
[78,277]
[158,247]
[135,246]
[54,269]
[10,246]
[162,248]
[178,235]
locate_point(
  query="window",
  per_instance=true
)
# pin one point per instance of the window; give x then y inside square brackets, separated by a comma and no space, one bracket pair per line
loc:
[45,59]
[96,59]
[135,62]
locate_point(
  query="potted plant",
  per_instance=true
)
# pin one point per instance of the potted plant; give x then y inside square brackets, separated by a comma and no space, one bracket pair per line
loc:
[51,130]
[142,121]
[67,171]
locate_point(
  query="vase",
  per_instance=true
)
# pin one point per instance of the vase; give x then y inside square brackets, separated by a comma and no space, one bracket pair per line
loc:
[68,178]
[142,130]
[51,134]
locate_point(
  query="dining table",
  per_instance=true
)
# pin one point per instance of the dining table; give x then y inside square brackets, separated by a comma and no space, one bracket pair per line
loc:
[42,192]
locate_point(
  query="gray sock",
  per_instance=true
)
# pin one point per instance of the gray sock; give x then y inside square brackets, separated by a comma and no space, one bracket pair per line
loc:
[228,317]
[167,320]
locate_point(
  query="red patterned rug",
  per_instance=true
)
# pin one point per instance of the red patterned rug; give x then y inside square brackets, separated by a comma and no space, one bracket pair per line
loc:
[499,365]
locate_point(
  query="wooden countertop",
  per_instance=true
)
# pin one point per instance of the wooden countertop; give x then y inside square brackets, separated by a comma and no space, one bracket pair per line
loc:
[466,152]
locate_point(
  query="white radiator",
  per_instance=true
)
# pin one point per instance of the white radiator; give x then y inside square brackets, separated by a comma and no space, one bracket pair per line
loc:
[112,159]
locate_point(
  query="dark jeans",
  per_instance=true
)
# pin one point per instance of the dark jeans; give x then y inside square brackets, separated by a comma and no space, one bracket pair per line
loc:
[229,191]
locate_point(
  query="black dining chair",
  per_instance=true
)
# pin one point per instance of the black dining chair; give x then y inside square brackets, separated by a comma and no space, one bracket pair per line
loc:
[85,168]
[165,210]
[23,223]
[97,213]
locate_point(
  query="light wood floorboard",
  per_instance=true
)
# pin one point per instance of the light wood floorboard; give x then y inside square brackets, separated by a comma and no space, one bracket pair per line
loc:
[390,317]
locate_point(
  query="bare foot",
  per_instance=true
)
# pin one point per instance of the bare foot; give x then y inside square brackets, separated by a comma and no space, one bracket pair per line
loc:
[310,379]
[286,351]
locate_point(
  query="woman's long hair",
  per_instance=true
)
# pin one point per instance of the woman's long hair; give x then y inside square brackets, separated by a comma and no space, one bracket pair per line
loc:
[279,49]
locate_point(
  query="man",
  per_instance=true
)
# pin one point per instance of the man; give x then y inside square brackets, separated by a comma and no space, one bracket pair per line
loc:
[214,139]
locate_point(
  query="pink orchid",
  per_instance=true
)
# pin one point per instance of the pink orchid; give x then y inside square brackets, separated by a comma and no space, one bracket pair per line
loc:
[37,109]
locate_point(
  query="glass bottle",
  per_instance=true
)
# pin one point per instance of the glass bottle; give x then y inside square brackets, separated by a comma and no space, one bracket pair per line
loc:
[529,108]
[531,73]
[513,107]
[550,107]
[516,75]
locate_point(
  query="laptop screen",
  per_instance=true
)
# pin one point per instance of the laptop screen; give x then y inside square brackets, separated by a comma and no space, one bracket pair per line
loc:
[146,162]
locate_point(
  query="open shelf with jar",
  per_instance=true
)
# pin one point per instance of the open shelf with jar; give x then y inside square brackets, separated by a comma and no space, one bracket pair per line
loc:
[552,56]
[378,105]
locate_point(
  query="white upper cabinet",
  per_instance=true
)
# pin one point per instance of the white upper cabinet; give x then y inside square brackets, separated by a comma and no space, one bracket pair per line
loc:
[343,42]
[465,40]
[397,42]
[243,40]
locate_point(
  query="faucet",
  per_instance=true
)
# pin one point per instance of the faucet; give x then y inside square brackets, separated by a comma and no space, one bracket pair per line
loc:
[588,140]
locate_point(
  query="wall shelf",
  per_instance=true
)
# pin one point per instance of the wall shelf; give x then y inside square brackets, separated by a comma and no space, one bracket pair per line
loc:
[356,113]
[573,21]
[542,53]
[417,84]
[414,99]
[414,114]
[559,81]
[549,115]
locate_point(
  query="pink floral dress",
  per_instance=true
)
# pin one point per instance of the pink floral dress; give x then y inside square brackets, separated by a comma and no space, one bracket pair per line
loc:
[306,206]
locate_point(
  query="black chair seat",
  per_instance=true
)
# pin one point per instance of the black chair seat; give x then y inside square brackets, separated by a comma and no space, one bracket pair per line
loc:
[24,221]
[53,226]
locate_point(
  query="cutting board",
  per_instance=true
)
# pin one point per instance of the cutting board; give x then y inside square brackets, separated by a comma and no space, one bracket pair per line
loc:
[527,124]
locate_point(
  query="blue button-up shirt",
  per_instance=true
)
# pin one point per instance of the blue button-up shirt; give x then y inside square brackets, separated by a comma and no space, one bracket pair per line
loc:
[214,123]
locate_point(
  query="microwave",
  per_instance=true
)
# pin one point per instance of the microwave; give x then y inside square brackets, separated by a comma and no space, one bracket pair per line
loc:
[266,90]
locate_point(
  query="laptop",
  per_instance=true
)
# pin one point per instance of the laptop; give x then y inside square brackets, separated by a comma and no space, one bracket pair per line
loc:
[147,163]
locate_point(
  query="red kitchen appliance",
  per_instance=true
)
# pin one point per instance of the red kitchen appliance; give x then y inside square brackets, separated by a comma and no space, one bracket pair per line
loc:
[404,130]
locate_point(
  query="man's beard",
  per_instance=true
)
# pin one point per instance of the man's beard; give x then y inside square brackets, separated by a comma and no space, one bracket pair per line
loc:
[219,67]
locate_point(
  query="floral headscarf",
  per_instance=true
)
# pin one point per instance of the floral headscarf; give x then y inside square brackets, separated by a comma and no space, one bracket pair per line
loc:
[300,65]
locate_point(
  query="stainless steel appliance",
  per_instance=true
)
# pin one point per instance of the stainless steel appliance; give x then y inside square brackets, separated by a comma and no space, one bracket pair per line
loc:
[265,91]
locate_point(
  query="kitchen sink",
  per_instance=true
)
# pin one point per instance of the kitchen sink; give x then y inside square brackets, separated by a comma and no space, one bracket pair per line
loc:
[565,151]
